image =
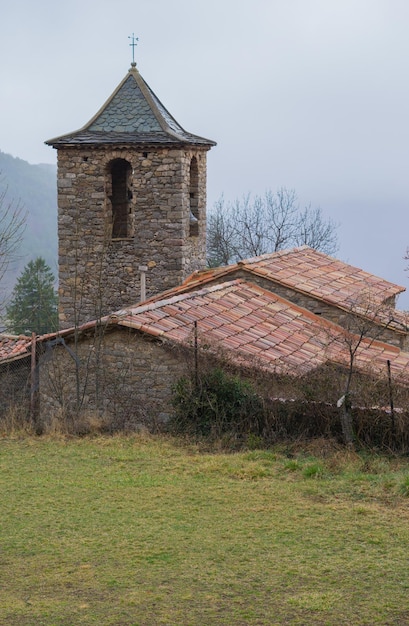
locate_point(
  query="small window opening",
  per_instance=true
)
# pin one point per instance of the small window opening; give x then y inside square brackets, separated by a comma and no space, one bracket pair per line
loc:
[121,198]
[85,159]
[145,155]
[194,198]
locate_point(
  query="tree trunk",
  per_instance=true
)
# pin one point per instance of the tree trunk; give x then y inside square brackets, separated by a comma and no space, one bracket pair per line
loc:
[346,422]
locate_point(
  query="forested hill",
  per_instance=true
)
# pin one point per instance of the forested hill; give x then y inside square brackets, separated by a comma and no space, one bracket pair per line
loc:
[34,187]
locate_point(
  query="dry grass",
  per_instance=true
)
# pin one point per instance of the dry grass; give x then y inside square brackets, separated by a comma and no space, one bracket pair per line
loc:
[147,531]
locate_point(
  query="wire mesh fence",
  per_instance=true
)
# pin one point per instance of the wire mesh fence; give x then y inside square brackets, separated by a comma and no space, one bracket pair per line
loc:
[106,388]
[15,389]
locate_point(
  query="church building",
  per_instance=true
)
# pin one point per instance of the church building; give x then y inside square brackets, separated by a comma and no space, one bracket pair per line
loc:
[135,296]
[131,204]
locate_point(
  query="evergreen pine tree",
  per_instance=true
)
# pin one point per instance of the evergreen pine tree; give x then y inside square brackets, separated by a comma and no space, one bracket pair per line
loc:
[33,304]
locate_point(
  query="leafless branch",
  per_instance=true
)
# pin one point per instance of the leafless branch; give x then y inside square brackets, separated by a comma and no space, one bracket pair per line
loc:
[254,226]
[12,224]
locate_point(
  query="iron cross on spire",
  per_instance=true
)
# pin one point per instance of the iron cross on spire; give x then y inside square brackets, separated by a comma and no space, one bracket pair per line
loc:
[133,44]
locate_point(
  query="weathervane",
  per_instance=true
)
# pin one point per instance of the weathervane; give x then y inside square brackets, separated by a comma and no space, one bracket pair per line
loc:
[133,44]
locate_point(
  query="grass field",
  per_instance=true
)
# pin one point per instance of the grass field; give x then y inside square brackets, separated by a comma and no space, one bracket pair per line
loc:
[145,531]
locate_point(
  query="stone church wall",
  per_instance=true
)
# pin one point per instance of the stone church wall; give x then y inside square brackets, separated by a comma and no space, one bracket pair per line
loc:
[98,274]
[121,376]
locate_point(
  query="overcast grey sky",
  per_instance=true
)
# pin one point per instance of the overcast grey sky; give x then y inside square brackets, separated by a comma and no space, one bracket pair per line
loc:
[308,94]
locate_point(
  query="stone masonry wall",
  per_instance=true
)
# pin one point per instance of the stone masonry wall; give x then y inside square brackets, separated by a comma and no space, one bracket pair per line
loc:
[123,376]
[97,274]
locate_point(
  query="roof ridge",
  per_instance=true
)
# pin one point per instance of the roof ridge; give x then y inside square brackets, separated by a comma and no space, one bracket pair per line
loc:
[151,306]
[269,255]
[151,98]
[95,116]
[332,330]
[213,288]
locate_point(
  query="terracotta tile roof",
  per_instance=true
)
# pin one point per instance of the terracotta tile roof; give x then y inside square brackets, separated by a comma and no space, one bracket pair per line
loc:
[254,323]
[321,276]
[311,272]
[14,347]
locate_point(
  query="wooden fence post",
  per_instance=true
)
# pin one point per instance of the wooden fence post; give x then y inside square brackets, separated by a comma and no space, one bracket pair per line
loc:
[34,383]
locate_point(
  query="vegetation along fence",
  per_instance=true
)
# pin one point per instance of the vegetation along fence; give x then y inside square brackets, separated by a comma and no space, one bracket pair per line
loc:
[213,401]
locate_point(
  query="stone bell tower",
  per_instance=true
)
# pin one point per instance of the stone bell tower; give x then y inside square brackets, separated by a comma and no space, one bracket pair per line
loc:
[131,193]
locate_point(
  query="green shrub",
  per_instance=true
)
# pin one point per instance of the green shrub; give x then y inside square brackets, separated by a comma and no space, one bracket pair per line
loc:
[313,470]
[292,465]
[217,404]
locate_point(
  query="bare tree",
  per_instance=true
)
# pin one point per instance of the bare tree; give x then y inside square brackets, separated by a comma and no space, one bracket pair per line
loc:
[315,231]
[254,226]
[221,236]
[365,321]
[12,223]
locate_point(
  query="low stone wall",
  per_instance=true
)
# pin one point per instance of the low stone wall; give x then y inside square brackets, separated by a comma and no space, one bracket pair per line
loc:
[121,376]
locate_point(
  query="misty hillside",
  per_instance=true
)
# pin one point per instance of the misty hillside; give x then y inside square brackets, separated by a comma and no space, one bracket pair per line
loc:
[34,187]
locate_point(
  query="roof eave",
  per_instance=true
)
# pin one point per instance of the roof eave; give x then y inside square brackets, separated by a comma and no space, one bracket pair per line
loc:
[69,141]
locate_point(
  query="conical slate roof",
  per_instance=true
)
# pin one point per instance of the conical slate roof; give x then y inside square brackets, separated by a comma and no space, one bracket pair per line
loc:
[131,115]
